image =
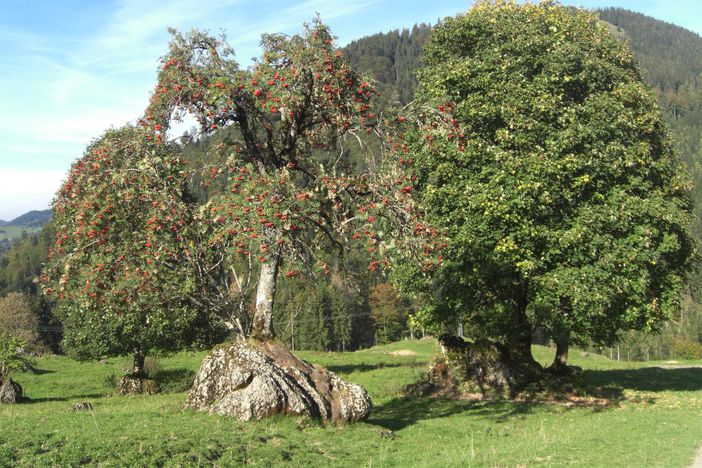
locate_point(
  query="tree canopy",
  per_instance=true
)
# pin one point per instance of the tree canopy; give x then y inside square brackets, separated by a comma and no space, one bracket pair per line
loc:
[543,155]
[119,270]
[289,192]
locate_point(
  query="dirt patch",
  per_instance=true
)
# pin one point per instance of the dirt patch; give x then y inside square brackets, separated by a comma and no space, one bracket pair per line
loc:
[403,352]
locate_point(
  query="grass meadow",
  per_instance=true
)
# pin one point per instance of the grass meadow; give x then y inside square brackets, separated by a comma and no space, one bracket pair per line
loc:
[653,417]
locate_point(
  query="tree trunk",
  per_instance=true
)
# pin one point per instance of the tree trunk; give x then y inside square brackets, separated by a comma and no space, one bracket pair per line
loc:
[560,362]
[138,369]
[262,328]
[520,359]
[519,338]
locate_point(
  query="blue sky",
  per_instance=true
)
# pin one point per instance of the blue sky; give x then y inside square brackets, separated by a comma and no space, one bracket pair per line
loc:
[70,69]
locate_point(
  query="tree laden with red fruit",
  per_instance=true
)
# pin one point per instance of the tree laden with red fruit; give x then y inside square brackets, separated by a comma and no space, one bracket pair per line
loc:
[291,118]
[119,271]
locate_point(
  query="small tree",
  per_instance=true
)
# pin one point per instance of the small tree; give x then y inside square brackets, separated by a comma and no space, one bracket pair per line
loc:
[543,154]
[388,313]
[13,355]
[119,271]
[17,319]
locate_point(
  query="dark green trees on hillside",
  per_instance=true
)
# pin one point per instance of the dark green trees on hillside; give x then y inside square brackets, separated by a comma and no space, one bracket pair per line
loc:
[391,58]
[543,154]
[668,54]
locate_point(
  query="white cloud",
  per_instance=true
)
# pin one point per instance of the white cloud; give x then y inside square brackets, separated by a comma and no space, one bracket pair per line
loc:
[25,190]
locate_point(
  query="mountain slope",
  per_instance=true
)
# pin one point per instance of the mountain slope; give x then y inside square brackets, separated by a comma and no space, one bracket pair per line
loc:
[33,218]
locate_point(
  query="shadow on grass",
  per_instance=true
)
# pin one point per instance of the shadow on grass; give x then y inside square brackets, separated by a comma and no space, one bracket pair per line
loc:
[349,368]
[36,371]
[174,380]
[403,412]
[30,400]
[603,389]
[649,379]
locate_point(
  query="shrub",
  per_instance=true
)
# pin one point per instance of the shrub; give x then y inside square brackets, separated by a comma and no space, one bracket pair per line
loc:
[687,349]
[17,319]
[13,355]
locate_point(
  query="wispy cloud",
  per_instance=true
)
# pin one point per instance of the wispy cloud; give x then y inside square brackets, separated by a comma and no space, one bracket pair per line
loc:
[62,84]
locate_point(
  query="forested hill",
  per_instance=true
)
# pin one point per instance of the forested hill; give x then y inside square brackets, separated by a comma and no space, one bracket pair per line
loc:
[33,218]
[391,58]
[671,56]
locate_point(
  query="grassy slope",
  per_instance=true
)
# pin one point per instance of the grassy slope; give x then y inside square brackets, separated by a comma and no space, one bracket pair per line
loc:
[15,232]
[659,422]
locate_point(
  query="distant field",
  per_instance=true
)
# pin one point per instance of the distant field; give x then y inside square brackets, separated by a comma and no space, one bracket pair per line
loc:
[654,419]
[14,232]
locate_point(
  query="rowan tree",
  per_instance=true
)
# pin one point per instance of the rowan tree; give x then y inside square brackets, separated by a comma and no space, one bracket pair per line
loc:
[120,271]
[542,153]
[289,119]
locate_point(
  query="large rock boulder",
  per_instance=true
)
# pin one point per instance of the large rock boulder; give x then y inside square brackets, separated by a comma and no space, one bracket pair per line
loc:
[10,391]
[254,380]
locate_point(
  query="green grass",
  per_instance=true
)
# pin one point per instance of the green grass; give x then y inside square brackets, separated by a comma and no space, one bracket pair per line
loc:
[656,421]
[15,232]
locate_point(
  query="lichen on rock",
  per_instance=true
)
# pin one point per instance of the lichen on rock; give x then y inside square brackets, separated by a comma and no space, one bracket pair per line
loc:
[10,391]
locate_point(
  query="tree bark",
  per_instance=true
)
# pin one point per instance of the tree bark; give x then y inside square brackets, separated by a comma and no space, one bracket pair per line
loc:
[562,344]
[262,327]
[521,361]
[519,338]
[138,369]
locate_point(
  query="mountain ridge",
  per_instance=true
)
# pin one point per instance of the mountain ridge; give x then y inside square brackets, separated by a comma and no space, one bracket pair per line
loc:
[33,218]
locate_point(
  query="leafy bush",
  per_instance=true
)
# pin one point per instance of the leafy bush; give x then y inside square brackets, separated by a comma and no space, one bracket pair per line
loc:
[18,319]
[13,354]
[110,381]
[687,349]
[152,367]
[174,380]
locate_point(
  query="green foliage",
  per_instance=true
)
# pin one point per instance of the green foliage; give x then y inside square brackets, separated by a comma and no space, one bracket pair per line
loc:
[671,58]
[543,155]
[13,354]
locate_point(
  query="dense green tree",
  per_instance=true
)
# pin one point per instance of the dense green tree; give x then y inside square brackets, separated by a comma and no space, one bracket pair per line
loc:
[543,155]
[388,312]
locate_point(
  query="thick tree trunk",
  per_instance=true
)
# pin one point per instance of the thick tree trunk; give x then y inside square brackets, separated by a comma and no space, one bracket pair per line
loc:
[519,338]
[138,369]
[262,327]
[562,345]
[521,360]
